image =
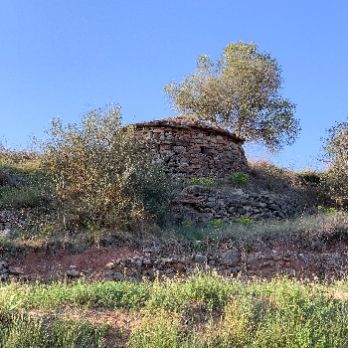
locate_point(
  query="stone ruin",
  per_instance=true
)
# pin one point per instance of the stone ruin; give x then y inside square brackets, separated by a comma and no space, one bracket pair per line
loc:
[193,148]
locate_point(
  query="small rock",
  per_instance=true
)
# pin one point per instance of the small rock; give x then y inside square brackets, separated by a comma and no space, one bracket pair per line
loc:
[156,249]
[199,258]
[230,257]
[3,265]
[108,275]
[169,272]
[180,267]
[110,265]
[26,277]
[4,277]
[266,264]
[15,270]
[147,261]
[118,276]
[167,260]
[149,274]
[73,273]
[5,232]
[138,262]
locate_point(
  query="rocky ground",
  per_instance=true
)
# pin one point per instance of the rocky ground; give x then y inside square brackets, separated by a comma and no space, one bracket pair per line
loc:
[119,263]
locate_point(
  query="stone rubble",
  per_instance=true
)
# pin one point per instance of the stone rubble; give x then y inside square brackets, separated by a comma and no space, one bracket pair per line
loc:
[202,204]
[229,261]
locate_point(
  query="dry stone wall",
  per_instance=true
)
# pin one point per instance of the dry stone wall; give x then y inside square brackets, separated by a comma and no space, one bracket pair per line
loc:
[200,204]
[193,149]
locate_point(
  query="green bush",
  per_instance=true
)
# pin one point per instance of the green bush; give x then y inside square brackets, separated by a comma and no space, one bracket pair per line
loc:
[216,223]
[244,220]
[102,176]
[238,178]
[205,182]
[335,178]
[325,210]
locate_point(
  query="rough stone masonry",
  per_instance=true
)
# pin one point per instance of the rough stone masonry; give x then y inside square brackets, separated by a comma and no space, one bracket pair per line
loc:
[193,148]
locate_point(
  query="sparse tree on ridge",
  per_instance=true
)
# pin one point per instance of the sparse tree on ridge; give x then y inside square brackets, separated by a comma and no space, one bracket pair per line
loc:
[240,93]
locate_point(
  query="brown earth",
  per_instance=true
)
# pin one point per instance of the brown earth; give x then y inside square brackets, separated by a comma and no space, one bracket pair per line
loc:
[117,263]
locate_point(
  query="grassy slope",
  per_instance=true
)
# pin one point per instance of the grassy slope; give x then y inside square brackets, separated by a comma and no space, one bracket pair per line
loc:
[202,311]
[22,183]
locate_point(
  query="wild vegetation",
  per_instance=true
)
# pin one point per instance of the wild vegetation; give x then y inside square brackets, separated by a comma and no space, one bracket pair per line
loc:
[241,93]
[201,311]
[91,185]
[336,160]
[101,177]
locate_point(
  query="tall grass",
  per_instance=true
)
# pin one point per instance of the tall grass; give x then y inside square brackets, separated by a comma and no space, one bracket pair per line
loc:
[18,330]
[201,311]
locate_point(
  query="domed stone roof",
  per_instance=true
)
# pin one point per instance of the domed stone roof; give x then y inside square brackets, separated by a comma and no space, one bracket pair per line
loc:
[189,122]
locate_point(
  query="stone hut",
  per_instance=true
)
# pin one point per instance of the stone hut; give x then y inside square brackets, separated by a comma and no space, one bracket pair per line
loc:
[193,148]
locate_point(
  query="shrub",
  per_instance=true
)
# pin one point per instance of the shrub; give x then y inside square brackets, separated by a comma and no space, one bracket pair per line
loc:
[216,223]
[325,210]
[238,178]
[205,182]
[101,176]
[244,220]
[335,178]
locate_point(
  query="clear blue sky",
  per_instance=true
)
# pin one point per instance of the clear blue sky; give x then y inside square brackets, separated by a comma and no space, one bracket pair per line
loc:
[61,58]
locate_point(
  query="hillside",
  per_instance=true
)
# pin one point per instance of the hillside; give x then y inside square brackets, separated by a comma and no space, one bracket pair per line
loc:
[203,273]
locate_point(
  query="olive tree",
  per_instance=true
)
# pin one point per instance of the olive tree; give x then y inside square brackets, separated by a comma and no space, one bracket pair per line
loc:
[240,92]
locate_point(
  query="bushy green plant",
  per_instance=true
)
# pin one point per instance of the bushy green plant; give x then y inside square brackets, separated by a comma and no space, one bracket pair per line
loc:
[216,223]
[202,181]
[326,210]
[238,178]
[244,220]
[102,176]
[335,178]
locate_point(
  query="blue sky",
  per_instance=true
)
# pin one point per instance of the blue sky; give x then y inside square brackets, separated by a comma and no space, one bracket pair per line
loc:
[61,58]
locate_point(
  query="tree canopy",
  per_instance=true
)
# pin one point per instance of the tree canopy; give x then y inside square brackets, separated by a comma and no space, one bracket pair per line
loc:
[240,92]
